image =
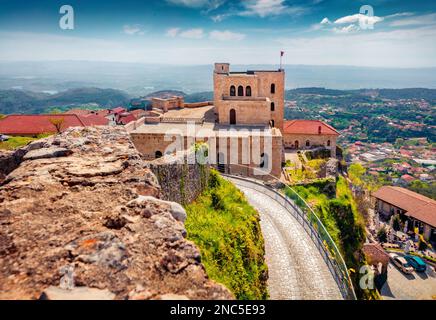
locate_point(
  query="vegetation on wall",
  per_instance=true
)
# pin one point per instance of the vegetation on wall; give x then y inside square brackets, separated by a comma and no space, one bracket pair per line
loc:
[227,231]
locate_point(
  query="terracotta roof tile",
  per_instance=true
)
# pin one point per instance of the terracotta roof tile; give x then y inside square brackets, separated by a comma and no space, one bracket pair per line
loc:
[38,124]
[308,127]
[415,204]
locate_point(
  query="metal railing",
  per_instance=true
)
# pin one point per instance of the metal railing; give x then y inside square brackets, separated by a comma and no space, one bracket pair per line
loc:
[308,219]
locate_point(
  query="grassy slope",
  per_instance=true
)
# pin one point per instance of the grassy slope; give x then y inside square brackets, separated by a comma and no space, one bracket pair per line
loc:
[15,142]
[343,222]
[227,230]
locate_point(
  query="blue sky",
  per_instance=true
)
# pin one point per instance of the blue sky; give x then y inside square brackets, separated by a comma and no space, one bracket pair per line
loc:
[318,32]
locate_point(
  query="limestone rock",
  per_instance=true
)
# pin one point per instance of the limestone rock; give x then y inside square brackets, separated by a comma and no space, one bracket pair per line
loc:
[77,293]
[90,220]
[45,153]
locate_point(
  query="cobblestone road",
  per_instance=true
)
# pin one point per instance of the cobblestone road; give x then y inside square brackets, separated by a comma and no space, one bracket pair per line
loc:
[296,268]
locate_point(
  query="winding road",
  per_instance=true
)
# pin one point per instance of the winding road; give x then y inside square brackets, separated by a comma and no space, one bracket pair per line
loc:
[297,270]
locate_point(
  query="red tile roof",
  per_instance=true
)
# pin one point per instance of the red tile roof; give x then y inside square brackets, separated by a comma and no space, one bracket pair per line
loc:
[125,118]
[94,120]
[415,204]
[138,113]
[38,124]
[118,110]
[308,127]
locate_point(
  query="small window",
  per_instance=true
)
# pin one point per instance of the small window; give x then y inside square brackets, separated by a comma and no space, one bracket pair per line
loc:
[232,91]
[271,123]
[273,106]
[273,88]
[319,130]
[328,143]
[248,91]
[240,91]
[307,143]
[158,154]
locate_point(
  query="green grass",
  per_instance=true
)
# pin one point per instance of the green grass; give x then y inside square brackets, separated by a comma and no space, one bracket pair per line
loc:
[227,231]
[15,142]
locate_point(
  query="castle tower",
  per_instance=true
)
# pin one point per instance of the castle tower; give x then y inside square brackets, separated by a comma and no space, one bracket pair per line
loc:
[249,98]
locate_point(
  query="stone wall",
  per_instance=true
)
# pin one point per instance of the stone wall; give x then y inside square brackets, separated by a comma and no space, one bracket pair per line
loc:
[180,181]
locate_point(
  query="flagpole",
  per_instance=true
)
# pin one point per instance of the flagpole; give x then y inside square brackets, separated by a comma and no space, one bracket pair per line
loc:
[281,57]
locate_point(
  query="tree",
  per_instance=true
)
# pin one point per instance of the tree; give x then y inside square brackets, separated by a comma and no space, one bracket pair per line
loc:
[57,122]
[355,173]
[382,235]
[55,111]
[396,223]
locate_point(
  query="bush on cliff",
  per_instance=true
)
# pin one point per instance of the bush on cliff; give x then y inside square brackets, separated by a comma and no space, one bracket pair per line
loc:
[227,231]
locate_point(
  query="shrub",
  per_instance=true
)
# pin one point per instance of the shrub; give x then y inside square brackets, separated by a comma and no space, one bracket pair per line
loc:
[382,235]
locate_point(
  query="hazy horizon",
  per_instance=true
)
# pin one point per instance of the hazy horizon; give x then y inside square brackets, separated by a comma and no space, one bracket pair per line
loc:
[141,78]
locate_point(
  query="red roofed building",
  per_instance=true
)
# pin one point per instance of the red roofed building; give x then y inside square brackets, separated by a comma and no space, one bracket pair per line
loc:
[306,134]
[33,125]
[125,118]
[408,178]
[420,210]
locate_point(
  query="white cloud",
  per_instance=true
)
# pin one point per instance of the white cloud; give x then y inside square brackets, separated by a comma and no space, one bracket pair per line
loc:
[348,29]
[133,29]
[209,5]
[172,32]
[192,34]
[362,19]
[325,21]
[427,19]
[189,3]
[226,35]
[264,8]
[398,48]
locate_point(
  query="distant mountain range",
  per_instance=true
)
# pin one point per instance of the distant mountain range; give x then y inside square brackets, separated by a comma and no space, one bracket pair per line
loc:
[141,79]
[19,101]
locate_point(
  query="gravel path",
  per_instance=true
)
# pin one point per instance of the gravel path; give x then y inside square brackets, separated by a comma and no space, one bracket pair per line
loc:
[296,268]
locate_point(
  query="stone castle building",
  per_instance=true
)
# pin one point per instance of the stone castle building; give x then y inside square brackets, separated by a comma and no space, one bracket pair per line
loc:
[244,125]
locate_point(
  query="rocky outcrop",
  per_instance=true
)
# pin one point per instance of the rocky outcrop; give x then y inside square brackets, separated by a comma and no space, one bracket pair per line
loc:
[80,217]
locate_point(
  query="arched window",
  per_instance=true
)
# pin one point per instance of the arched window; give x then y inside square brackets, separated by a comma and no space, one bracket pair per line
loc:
[319,130]
[240,91]
[307,143]
[273,88]
[232,116]
[158,154]
[273,106]
[248,91]
[297,144]
[328,143]
[232,91]
[263,161]
[271,123]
